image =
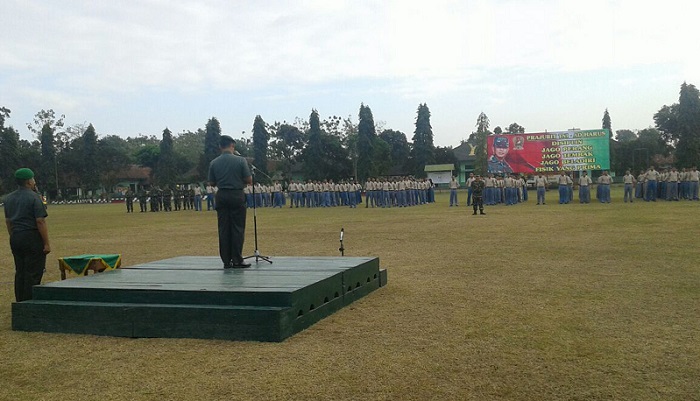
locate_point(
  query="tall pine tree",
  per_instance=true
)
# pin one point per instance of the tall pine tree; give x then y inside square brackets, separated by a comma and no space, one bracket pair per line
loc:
[89,165]
[260,140]
[212,137]
[166,169]
[607,124]
[482,132]
[9,153]
[313,153]
[365,143]
[423,151]
[46,176]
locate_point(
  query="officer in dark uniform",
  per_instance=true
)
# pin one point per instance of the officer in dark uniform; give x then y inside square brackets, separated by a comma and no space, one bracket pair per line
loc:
[230,173]
[25,215]
[477,187]
[497,163]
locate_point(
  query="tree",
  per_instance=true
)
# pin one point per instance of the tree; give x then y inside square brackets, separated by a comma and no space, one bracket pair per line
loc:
[90,165]
[212,137]
[479,140]
[46,117]
[47,175]
[260,139]
[497,130]
[324,156]
[680,124]
[166,168]
[147,156]
[188,147]
[515,128]
[9,153]
[398,145]
[625,135]
[366,136]
[114,157]
[381,156]
[288,142]
[688,149]
[445,155]
[423,151]
[607,124]
[4,114]
[313,153]
[47,127]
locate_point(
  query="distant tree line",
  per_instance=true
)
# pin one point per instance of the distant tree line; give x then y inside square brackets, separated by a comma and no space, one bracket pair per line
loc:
[69,157]
[332,148]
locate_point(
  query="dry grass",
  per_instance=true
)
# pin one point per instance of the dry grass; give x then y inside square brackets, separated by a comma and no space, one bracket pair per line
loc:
[573,302]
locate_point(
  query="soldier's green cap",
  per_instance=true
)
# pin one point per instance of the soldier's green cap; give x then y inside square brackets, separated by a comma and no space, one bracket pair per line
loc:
[24,174]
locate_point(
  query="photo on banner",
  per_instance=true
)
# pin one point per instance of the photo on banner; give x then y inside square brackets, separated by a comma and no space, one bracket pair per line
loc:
[549,152]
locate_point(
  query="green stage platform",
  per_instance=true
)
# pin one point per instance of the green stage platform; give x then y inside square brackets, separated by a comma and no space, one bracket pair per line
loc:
[194,297]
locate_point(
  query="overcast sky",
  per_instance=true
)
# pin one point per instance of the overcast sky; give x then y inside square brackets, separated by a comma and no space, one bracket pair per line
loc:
[136,67]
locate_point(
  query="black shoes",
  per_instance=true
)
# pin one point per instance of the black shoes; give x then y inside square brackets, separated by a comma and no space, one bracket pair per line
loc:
[240,265]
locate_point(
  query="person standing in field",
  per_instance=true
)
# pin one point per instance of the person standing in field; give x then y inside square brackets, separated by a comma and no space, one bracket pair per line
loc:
[604,182]
[629,182]
[651,177]
[230,173]
[453,191]
[478,187]
[25,218]
[584,188]
[541,186]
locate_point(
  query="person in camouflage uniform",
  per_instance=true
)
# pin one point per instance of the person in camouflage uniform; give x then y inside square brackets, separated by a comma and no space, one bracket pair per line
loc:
[129,198]
[142,199]
[166,196]
[477,187]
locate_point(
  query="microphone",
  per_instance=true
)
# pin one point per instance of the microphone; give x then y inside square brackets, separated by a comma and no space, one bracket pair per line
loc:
[342,231]
[235,152]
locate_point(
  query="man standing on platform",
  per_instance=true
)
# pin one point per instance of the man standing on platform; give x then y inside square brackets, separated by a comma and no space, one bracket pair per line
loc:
[25,216]
[477,187]
[230,173]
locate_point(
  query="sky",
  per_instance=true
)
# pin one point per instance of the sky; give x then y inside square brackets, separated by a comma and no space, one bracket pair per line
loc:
[136,67]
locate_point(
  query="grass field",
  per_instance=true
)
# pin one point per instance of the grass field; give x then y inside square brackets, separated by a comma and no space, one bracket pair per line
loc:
[555,302]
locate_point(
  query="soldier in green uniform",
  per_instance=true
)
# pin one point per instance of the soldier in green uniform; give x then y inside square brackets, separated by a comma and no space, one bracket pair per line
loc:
[477,187]
[142,199]
[25,218]
[167,194]
[129,198]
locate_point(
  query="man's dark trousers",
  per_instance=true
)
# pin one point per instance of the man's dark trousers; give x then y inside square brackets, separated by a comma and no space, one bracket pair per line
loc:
[231,213]
[30,261]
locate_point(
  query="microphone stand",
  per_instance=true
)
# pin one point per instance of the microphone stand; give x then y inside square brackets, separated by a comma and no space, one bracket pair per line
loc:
[342,248]
[257,254]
